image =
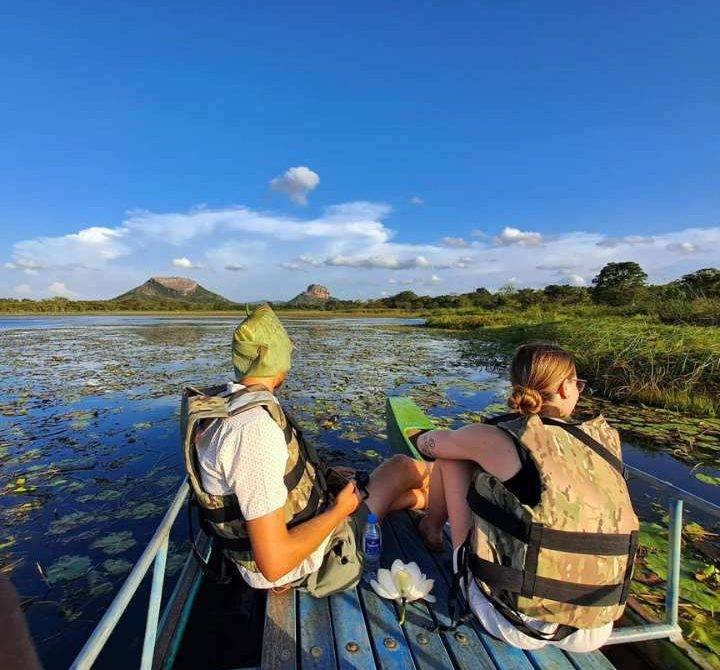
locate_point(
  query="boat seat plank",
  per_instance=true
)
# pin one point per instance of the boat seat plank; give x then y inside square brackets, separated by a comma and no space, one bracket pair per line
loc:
[352,643]
[464,644]
[358,630]
[278,647]
[421,632]
[550,658]
[388,639]
[593,661]
[317,648]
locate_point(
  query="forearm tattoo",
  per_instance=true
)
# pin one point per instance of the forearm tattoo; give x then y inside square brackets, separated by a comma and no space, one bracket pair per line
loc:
[427,445]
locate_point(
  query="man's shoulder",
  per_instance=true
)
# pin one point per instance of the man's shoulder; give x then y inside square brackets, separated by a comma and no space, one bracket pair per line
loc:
[254,415]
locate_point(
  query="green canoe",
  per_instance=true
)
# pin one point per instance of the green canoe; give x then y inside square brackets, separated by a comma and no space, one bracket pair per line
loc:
[404,418]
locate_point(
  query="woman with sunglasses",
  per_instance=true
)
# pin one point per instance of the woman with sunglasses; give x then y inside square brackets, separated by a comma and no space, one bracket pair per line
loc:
[543,531]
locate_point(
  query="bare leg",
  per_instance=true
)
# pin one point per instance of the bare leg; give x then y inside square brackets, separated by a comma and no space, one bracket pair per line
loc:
[431,525]
[451,480]
[399,483]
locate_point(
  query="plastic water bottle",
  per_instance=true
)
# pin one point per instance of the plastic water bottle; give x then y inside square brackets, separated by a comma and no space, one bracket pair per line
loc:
[371,548]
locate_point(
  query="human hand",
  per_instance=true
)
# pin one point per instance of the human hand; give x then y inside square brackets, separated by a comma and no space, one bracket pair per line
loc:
[348,499]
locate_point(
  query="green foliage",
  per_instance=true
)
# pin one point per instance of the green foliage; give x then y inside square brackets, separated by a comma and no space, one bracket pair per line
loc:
[619,287]
[619,283]
[701,283]
[699,584]
[629,359]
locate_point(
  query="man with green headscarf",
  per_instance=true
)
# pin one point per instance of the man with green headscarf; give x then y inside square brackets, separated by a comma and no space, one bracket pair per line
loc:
[262,490]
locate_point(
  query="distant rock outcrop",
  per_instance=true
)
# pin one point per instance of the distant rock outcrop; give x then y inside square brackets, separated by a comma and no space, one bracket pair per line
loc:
[315,294]
[180,290]
[317,291]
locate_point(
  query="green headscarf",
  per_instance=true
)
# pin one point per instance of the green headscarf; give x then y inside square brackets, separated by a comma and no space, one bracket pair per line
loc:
[261,346]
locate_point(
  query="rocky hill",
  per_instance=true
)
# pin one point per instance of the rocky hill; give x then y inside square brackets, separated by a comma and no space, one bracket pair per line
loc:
[314,295]
[180,291]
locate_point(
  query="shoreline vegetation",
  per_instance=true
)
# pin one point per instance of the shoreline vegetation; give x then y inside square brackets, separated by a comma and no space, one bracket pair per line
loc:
[656,345]
[634,359]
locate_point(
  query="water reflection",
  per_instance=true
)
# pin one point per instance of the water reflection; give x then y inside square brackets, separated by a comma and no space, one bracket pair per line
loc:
[89,444]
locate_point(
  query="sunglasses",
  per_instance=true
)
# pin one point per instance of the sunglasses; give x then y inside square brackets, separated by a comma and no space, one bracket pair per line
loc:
[580,383]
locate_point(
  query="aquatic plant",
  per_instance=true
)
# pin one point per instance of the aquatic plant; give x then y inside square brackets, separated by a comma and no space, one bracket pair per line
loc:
[631,359]
[699,582]
[404,583]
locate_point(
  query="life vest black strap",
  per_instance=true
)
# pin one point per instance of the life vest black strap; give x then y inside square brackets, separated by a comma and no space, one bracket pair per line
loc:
[501,418]
[590,442]
[310,510]
[574,542]
[292,478]
[510,579]
[223,514]
[232,543]
[230,512]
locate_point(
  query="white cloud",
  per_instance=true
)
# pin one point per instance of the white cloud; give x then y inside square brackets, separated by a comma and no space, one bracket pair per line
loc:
[682,247]
[575,279]
[88,248]
[296,183]
[387,262]
[556,267]
[28,267]
[417,200]
[509,236]
[435,279]
[455,242]
[294,266]
[628,240]
[463,262]
[23,289]
[59,289]
[348,247]
[185,263]
[361,221]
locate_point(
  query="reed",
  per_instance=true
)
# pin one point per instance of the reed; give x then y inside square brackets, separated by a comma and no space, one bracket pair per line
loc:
[630,359]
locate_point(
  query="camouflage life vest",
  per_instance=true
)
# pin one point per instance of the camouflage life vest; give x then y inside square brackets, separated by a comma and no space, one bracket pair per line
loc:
[220,515]
[567,560]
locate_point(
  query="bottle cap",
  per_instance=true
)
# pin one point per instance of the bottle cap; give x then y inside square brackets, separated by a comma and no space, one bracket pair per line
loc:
[372,518]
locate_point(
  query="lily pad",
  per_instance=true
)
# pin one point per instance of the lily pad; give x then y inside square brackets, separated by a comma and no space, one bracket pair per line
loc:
[98,584]
[117,566]
[115,543]
[67,569]
[70,521]
[707,479]
[144,510]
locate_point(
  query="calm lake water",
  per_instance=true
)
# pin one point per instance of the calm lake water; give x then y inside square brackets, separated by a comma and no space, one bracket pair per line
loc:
[89,440]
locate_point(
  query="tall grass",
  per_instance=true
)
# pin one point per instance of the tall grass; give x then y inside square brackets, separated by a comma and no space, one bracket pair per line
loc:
[630,359]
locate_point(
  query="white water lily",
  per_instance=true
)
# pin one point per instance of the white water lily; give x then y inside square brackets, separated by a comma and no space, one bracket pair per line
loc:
[404,583]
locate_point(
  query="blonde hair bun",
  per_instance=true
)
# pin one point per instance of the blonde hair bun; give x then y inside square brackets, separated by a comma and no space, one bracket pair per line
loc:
[525,400]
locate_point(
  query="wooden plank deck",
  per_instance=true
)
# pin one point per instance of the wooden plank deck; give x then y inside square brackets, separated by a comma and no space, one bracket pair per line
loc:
[359,630]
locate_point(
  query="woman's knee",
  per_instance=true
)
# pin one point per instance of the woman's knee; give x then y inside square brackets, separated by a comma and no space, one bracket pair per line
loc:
[409,469]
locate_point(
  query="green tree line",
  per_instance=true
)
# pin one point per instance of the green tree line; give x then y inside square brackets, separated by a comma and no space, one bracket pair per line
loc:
[620,287]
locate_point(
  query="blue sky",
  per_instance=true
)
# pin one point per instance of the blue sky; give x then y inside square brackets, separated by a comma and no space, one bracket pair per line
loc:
[431,146]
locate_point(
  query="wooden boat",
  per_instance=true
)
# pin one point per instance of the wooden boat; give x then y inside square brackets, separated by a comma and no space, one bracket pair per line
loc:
[354,629]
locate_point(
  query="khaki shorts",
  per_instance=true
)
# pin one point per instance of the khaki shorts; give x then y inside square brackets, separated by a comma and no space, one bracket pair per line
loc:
[342,565]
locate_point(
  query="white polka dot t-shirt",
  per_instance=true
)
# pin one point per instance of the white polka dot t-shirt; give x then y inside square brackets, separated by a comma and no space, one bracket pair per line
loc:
[246,455]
